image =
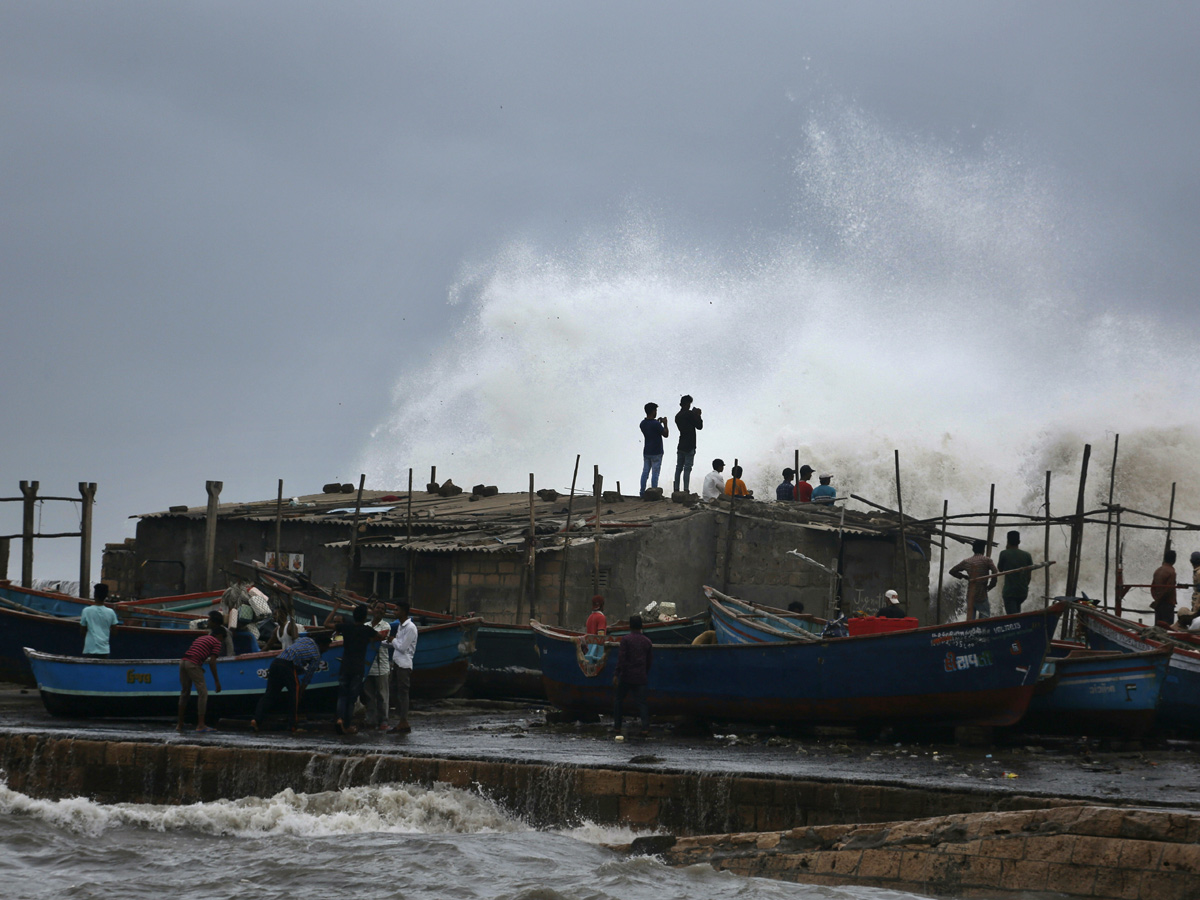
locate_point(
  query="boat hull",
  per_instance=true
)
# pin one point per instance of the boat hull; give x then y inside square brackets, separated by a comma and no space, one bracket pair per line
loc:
[971,673]
[1179,705]
[149,688]
[1111,695]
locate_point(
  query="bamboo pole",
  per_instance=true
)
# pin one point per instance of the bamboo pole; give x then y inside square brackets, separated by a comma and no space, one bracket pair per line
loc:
[1077,528]
[532,553]
[903,543]
[562,582]
[1170,516]
[942,561]
[796,475]
[991,533]
[1112,480]
[729,534]
[362,480]
[1046,548]
[279,527]
[410,558]
[597,487]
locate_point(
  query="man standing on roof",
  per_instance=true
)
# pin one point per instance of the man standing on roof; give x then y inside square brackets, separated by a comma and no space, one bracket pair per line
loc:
[1016,585]
[804,490]
[654,429]
[824,492]
[784,490]
[714,481]
[973,567]
[687,423]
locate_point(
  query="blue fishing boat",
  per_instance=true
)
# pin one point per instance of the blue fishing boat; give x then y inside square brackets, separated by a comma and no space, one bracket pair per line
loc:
[739,622]
[22,627]
[506,663]
[146,688]
[1098,692]
[981,672]
[1179,706]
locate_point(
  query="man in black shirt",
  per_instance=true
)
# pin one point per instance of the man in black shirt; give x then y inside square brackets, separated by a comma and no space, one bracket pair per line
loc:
[356,637]
[688,422]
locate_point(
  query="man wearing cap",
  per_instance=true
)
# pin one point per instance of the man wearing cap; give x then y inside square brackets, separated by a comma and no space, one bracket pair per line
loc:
[1016,585]
[654,429]
[804,490]
[687,423]
[784,490]
[714,481]
[891,606]
[824,492]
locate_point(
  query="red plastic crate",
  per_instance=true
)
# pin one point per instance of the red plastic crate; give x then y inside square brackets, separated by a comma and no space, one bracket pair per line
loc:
[877,624]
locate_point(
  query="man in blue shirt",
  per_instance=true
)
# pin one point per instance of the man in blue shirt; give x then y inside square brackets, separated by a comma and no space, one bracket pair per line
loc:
[824,492]
[784,490]
[96,622]
[654,429]
[292,669]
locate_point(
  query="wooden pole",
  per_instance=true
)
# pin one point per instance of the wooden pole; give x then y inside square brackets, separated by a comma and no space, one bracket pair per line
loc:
[1120,577]
[903,543]
[1170,516]
[213,488]
[597,487]
[1046,548]
[29,491]
[279,527]
[87,491]
[729,534]
[796,465]
[1077,528]
[942,560]
[1112,478]
[362,480]
[410,558]
[991,533]
[562,581]
[532,553]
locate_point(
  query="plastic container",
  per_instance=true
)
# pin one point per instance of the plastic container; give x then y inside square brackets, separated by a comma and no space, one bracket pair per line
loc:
[879,624]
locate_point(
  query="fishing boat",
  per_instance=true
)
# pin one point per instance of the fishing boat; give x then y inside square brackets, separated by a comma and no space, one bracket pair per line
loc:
[506,663]
[445,643]
[981,672]
[739,622]
[1179,706]
[145,688]
[24,626]
[1098,692]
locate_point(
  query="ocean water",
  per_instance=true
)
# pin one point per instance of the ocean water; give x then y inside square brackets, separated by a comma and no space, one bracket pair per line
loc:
[387,841]
[922,298]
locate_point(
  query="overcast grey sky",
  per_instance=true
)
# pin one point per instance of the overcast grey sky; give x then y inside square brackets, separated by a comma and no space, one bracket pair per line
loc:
[228,229]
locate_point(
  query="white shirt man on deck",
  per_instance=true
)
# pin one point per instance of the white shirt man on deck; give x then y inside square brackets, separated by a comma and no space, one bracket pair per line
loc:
[714,481]
[404,647]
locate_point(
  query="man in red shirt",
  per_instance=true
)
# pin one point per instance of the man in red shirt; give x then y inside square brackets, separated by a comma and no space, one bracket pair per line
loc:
[596,622]
[803,489]
[205,648]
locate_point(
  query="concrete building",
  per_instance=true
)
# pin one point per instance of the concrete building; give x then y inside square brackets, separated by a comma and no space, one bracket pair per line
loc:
[470,552]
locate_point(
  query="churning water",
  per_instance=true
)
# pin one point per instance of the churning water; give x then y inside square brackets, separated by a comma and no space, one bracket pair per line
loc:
[378,842]
[923,299]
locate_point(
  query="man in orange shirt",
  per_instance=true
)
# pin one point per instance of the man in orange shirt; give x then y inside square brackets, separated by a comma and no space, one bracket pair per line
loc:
[735,487]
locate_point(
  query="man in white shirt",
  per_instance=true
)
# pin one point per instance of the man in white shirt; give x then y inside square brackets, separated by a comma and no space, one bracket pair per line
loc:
[714,481]
[375,687]
[404,646]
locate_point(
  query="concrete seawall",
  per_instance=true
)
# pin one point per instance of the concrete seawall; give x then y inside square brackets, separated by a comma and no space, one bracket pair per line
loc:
[686,803]
[960,842]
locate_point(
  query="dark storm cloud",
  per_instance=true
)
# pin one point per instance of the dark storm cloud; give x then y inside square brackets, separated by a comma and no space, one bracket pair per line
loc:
[227,227]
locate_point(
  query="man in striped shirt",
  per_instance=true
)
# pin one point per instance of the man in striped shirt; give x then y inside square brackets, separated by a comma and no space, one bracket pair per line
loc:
[205,648]
[293,669]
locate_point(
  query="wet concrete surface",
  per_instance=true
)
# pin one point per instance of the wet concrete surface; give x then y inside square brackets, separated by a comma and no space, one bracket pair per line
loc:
[1158,773]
